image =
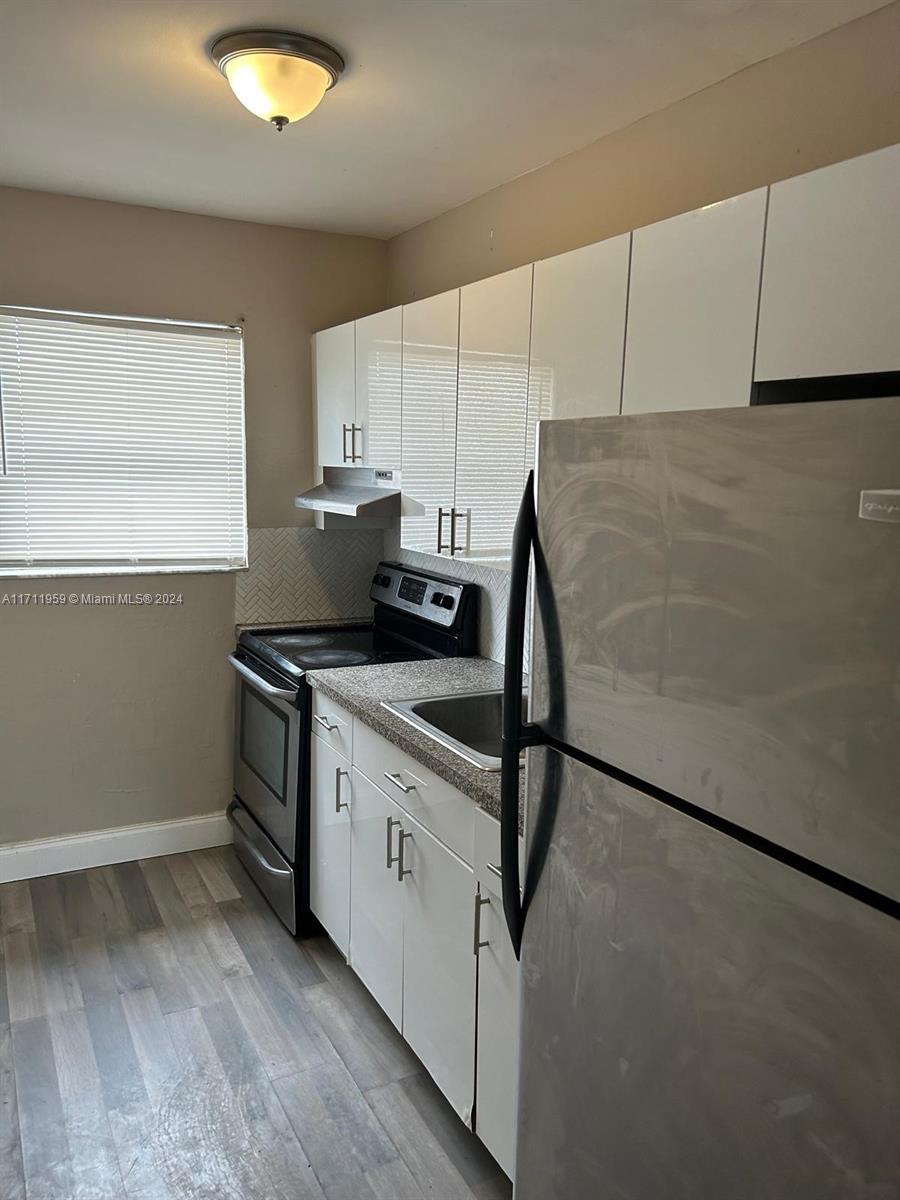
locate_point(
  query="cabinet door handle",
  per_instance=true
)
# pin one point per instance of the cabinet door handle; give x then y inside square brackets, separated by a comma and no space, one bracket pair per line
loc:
[477,943]
[325,723]
[354,430]
[394,778]
[495,870]
[338,802]
[390,859]
[441,544]
[458,516]
[401,868]
[347,458]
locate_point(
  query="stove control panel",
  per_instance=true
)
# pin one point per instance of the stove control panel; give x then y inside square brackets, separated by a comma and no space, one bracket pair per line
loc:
[433,598]
[413,590]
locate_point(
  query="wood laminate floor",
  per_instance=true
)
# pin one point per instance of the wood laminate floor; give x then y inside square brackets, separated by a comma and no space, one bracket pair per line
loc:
[162,1036]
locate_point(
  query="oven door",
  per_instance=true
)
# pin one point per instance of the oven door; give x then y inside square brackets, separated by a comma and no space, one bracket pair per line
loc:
[267,732]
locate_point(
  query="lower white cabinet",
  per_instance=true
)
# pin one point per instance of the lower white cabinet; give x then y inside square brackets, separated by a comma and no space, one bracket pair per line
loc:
[411,936]
[496,1099]
[376,897]
[329,819]
[401,904]
[438,964]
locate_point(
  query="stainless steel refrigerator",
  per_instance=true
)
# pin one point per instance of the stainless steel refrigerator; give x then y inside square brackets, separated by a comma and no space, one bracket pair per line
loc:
[710,913]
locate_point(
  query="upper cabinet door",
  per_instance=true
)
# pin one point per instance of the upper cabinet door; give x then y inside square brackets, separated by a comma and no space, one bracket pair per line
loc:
[335,374]
[430,365]
[692,308]
[378,355]
[578,333]
[831,283]
[494,329]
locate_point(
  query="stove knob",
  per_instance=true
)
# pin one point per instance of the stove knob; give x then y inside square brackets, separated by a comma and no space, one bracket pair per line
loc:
[446,601]
[437,598]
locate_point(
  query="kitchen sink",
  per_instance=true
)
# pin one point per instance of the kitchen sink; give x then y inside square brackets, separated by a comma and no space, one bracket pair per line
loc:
[469,723]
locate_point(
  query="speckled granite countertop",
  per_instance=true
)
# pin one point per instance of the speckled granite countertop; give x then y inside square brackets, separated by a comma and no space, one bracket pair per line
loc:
[362,689]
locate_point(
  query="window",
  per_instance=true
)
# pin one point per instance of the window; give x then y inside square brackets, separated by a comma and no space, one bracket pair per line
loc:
[121,445]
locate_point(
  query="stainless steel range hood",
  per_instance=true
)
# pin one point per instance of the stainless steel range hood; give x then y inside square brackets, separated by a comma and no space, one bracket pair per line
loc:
[358,492]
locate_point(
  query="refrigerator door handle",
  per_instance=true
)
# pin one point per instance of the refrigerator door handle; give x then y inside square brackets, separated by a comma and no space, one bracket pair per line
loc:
[515,733]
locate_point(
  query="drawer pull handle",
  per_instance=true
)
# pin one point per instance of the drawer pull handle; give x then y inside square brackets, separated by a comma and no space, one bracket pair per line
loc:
[326,724]
[495,870]
[477,943]
[394,778]
[390,859]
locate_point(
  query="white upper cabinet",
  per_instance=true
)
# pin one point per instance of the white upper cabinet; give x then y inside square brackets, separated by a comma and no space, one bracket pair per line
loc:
[692,308]
[428,421]
[831,278]
[494,330]
[378,355]
[335,375]
[578,333]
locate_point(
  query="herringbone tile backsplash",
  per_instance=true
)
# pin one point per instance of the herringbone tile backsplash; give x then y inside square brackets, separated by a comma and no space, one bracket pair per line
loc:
[307,575]
[493,581]
[299,575]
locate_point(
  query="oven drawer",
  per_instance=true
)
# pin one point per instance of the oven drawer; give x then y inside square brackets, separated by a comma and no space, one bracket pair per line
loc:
[266,866]
[333,724]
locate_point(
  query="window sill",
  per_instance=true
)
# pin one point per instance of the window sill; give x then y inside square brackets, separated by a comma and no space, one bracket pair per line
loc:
[84,571]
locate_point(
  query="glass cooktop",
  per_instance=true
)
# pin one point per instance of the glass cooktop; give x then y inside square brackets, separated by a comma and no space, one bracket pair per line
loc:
[297,650]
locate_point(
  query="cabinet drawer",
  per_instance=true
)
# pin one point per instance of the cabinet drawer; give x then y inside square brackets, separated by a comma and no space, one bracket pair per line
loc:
[436,804]
[333,724]
[486,859]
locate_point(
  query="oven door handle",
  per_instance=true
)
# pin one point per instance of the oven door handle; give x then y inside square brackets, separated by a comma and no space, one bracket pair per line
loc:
[267,688]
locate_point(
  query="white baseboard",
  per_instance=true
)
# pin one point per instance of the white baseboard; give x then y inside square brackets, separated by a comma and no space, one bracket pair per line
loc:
[76,852]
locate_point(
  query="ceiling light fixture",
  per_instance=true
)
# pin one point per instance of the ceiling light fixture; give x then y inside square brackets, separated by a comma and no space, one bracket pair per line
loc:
[281,77]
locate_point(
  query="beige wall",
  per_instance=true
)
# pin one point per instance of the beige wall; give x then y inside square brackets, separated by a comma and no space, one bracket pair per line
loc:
[827,100]
[114,715]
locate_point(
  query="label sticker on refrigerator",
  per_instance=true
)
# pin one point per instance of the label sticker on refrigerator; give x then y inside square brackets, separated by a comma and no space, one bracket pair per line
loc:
[880,504]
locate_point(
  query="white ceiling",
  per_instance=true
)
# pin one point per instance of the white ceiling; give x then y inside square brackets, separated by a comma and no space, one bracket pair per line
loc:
[442,99]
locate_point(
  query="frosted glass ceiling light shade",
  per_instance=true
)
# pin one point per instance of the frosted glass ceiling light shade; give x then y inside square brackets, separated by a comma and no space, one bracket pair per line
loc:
[280,77]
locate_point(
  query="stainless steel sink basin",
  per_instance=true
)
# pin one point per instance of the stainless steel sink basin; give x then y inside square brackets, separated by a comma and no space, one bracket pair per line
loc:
[469,724]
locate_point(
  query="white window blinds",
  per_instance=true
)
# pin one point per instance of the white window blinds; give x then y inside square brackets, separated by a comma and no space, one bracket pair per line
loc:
[122,445]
